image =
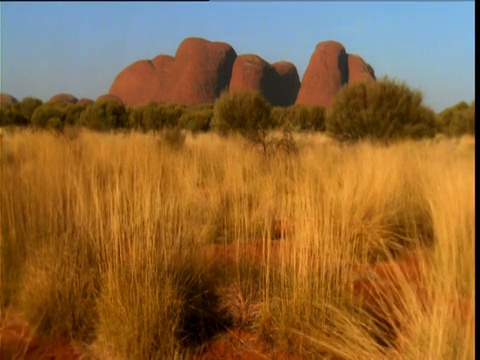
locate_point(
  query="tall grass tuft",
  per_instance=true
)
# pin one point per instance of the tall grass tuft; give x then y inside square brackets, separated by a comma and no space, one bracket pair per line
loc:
[143,249]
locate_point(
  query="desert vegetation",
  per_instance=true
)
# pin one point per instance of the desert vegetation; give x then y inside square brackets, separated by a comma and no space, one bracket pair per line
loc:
[383,110]
[458,119]
[166,231]
[160,244]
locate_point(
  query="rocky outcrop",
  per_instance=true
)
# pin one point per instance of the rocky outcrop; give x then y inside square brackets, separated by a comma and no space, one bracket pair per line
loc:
[197,74]
[289,82]
[279,83]
[330,68]
[201,70]
[108,97]
[327,71]
[359,70]
[67,98]
[85,101]
[6,99]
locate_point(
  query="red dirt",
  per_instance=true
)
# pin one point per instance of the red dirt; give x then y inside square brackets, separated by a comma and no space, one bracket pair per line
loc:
[375,288]
[19,341]
[238,345]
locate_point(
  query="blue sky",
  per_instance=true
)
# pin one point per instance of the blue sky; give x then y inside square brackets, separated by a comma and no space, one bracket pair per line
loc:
[79,48]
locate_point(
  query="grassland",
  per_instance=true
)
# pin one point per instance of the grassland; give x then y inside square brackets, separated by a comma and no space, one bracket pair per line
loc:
[135,247]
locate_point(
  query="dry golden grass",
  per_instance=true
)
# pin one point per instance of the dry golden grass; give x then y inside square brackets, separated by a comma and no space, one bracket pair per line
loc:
[107,240]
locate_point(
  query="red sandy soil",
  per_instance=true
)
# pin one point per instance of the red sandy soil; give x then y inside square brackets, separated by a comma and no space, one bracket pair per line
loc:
[370,285]
[19,341]
[238,345]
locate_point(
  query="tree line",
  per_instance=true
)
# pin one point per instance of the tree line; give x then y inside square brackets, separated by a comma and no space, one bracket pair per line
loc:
[384,110]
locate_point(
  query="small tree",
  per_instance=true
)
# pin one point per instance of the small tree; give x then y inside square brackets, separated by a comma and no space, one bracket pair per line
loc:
[382,110]
[250,114]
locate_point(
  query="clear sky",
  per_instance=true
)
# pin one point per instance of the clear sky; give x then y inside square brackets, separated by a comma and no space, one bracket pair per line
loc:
[79,48]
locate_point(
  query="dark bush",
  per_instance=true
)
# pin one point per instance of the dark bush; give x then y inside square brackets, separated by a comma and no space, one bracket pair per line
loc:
[247,112]
[73,113]
[45,112]
[279,116]
[197,119]
[28,106]
[305,117]
[105,115]
[155,116]
[382,110]
[135,116]
[11,114]
[251,115]
[174,138]
[458,120]
[170,114]
[55,124]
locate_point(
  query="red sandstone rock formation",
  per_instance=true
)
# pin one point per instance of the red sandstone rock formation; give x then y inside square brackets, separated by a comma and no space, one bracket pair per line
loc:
[84,101]
[359,70]
[6,99]
[70,99]
[108,97]
[327,71]
[197,74]
[279,83]
[289,82]
[201,69]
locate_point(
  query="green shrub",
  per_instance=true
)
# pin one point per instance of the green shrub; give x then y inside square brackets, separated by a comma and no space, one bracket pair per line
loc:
[28,106]
[44,113]
[382,110]
[105,115]
[154,116]
[135,116]
[174,138]
[55,123]
[305,117]
[169,114]
[73,114]
[458,120]
[11,115]
[279,116]
[197,119]
[251,115]
[246,112]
